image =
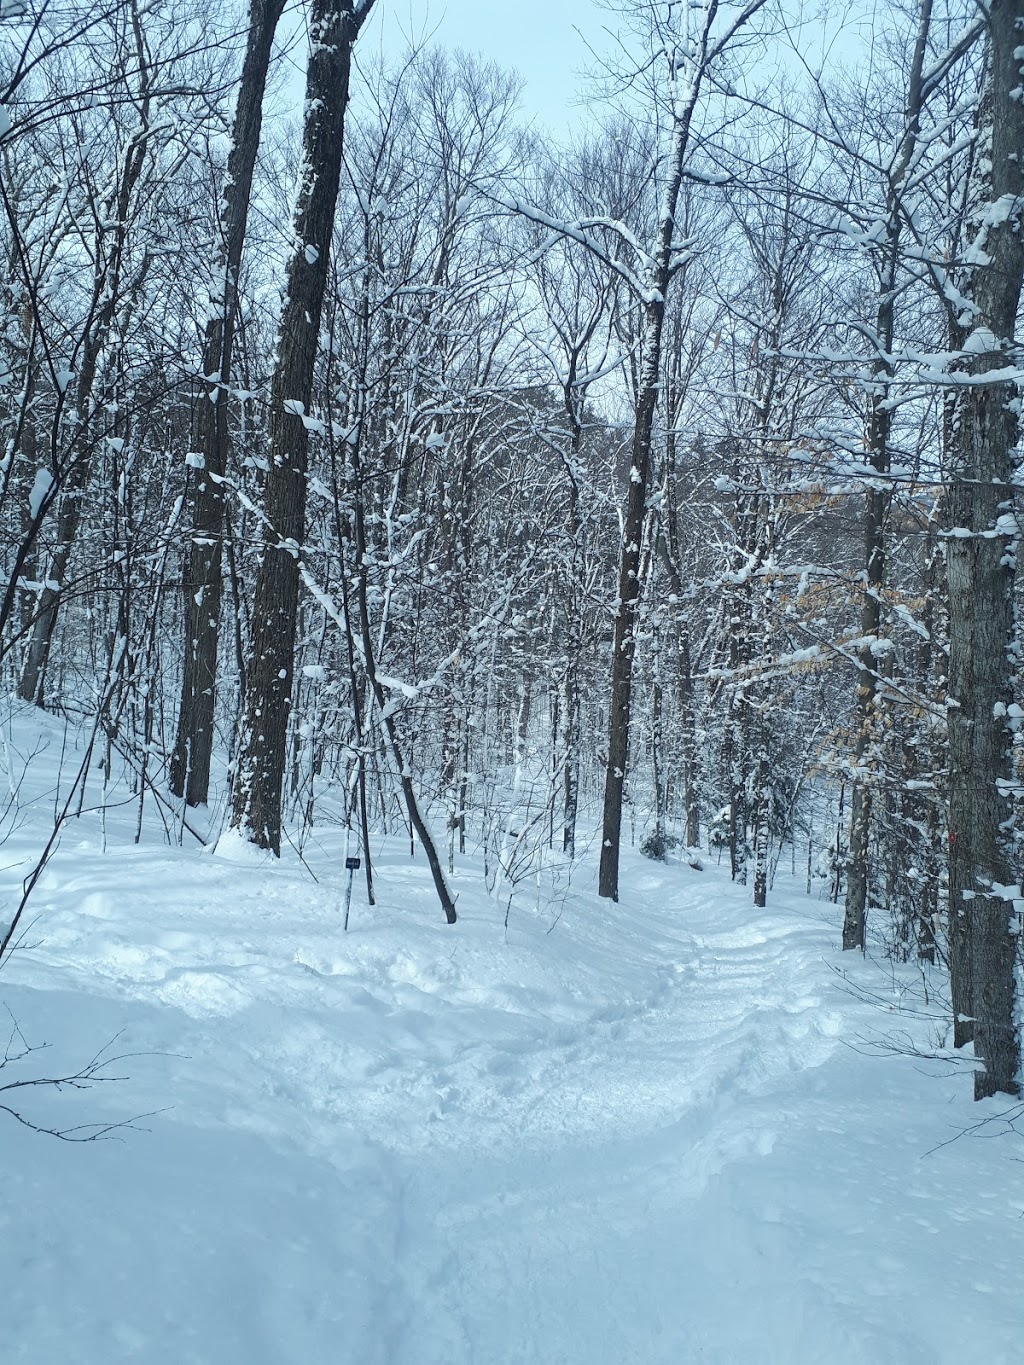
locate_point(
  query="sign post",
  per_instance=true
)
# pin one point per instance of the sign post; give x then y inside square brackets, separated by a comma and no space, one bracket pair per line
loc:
[351,867]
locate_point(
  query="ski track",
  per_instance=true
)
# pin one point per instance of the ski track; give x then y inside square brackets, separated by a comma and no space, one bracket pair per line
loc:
[636,1138]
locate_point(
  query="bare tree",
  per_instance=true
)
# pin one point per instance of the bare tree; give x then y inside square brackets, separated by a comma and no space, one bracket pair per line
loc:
[203,587]
[980,537]
[877,495]
[690,42]
[256,808]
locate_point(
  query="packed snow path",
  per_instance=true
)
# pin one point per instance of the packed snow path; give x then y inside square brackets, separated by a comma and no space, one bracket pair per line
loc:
[605,1134]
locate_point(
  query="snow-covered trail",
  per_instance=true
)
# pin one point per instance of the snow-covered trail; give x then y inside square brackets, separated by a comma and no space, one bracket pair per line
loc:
[605,1134]
[668,1186]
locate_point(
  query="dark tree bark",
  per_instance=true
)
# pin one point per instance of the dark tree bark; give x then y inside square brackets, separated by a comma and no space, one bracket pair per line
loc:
[877,499]
[627,604]
[981,538]
[689,66]
[193,744]
[256,809]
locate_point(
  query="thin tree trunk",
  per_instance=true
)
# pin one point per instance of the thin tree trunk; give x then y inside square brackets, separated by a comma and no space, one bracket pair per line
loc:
[657,764]
[762,829]
[570,790]
[688,742]
[575,608]
[416,821]
[876,511]
[203,578]
[357,718]
[697,52]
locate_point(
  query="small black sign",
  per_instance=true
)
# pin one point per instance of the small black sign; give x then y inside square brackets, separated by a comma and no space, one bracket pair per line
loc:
[352,864]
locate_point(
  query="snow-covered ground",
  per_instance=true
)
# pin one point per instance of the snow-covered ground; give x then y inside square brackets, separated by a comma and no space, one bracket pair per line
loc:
[601,1134]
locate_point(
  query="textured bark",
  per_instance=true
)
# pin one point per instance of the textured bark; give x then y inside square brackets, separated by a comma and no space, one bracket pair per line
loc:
[334,27]
[980,539]
[862,801]
[623,638]
[628,596]
[203,578]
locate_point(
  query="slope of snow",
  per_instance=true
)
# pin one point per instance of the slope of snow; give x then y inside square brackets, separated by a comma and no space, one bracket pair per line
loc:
[601,1134]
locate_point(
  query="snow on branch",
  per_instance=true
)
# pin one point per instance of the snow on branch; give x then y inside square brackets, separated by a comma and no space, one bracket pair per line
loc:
[581,230]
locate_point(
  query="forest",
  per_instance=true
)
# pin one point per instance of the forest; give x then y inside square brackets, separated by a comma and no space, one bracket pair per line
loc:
[374,461]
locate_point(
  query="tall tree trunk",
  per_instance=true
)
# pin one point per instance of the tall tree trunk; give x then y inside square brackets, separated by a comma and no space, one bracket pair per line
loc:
[193,744]
[334,27]
[876,511]
[690,58]
[626,610]
[981,538]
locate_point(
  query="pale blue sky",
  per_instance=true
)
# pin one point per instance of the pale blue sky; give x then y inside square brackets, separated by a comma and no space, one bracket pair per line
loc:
[537,38]
[551,43]
[548,41]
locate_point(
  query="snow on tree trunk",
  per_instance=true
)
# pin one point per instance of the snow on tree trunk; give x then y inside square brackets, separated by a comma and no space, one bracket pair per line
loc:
[877,500]
[334,27]
[980,545]
[203,587]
